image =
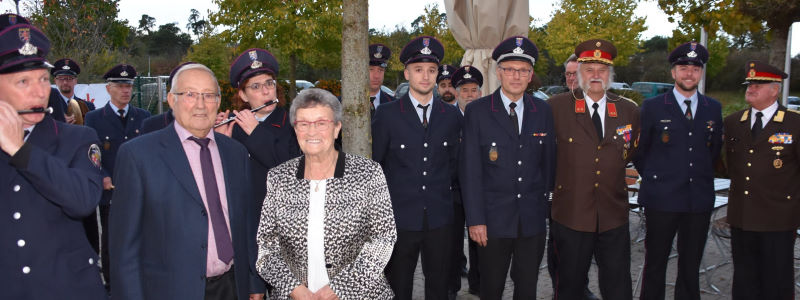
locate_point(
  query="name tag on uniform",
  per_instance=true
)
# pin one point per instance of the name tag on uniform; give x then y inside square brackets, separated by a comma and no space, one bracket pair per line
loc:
[666,121]
[540,134]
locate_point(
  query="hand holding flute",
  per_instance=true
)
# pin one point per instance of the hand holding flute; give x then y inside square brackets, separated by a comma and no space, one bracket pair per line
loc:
[11,129]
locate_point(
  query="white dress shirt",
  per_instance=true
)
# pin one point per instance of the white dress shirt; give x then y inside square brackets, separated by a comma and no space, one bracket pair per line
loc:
[317,272]
[415,102]
[680,98]
[601,109]
[768,112]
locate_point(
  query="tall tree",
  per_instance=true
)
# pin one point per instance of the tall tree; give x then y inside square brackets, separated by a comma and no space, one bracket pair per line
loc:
[307,30]
[433,22]
[146,24]
[196,25]
[737,17]
[578,20]
[355,67]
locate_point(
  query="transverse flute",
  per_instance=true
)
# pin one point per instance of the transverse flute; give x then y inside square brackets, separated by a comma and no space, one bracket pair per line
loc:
[228,120]
[37,110]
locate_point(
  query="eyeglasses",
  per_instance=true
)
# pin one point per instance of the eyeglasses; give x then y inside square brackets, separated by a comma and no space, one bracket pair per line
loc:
[192,97]
[269,84]
[511,71]
[65,78]
[304,126]
[570,74]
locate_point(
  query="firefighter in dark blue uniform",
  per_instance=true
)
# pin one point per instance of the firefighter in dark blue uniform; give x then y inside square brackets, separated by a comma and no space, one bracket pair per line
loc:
[681,138]
[444,84]
[507,167]
[65,72]
[49,180]
[379,56]
[116,123]
[415,139]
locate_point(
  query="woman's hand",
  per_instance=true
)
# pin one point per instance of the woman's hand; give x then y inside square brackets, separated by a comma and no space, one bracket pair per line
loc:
[246,120]
[325,293]
[301,292]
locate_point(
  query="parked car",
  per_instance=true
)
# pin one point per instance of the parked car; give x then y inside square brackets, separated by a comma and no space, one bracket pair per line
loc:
[554,89]
[541,95]
[387,90]
[793,102]
[650,89]
[620,86]
[402,90]
[301,84]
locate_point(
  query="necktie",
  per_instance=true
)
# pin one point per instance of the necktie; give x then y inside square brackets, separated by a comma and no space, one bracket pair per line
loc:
[688,109]
[424,115]
[25,134]
[218,224]
[757,126]
[598,125]
[513,116]
[122,116]
[371,105]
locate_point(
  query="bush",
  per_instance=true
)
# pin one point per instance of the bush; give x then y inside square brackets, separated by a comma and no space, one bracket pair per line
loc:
[630,94]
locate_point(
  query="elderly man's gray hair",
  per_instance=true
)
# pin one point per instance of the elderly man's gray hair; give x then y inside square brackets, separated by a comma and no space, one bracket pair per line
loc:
[312,97]
[193,66]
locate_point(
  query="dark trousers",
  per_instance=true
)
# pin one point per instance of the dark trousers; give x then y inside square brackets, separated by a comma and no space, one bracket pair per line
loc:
[91,226]
[458,259]
[763,264]
[434,244]
[692,230]
[104,209]
[222,287]
[552,265]
[494,261]
[474,274]
[574,249]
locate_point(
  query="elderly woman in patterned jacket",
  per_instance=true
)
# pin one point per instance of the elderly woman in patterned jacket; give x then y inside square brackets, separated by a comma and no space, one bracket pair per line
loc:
[327,227]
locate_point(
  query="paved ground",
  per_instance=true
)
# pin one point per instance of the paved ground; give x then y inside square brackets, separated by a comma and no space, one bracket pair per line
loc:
[720,277]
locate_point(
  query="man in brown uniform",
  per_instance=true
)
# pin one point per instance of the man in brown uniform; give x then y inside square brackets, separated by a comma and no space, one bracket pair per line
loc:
[597,136]
[764,199]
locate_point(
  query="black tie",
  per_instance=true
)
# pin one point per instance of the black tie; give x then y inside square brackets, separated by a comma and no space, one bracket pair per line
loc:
[25,133]
[688,109]
[424,115]
[512,113]
[598,125]
[122,116]
[757,126]
[371,105]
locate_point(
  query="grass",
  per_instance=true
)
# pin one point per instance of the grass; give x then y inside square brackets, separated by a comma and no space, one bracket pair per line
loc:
[732,101]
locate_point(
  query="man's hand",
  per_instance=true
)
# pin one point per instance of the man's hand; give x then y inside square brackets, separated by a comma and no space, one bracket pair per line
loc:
[325,293]
[11,137]
[226,129]
[301,292]
[478,234]
[256,296]
[107,185]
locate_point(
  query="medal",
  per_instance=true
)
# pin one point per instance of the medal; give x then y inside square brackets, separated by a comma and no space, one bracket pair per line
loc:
[106,145]
[777,163]
[493,153]
[665,137]
[624,154]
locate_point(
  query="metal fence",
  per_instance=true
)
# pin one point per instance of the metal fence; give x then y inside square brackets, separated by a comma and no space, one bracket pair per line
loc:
[150,93]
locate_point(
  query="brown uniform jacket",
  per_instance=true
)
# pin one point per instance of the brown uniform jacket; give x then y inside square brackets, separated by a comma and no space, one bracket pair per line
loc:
[765,172]
[590,191]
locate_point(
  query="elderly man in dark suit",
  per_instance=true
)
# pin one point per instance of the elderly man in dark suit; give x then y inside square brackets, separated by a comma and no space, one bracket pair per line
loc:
[180,222]
[415,139]
[506,170]
[764,165]
[49,180]
[597,134]
[680,141]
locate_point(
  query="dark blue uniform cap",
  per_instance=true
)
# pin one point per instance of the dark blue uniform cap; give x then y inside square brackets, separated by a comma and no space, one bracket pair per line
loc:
[467,74]
[121,73]
[445,72]
[65,66]
[22,47]
[691,53]
[422,49]
[12,19]
[379,54]
[516,48]
[250,63]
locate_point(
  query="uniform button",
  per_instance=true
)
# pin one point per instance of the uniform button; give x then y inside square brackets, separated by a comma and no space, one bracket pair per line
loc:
[746,192]
[519,162]
[599,147]
[598,172]
[494,144]
[21,243]
[519,196]
[747,178]
[126,137]
[423,187]
[91,261]
[519,179]
[402,146]
[751,151]
[425,158]
[690,164]
[690,180]
[17,215]
[655,176]
[596,159]
[520,146]
[788,197]
[559,186]
[16,188]
[570,140]
[444,144]
[425,145]
[748,164]
[106,137]
[690,149]
[596,184]
[424,173]
[690,134]
[26,269]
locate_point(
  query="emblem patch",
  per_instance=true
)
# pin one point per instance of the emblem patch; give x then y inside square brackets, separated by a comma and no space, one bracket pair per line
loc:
[94,155]
[25,36]
[612,110]
[425,43]
[580,106]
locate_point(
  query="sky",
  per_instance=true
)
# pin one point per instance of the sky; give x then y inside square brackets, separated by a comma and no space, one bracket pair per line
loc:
[383,14]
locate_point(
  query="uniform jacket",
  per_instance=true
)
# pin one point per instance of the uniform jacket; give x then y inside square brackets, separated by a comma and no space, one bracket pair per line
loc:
[359,229]
[111,132]
[504,175]
[159,225]
[764,172]
[56,101]
[47,188]
[676,156]
[420,164]
[590,193]
[385,98]
[157,122]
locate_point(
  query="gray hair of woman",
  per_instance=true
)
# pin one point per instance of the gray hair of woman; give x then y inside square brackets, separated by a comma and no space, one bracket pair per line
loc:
[313,97]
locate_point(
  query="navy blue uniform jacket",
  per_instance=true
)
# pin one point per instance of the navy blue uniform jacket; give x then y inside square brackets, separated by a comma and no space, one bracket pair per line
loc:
[47,188]
[676,157]
[504,175]
[420,165]
[159,225]
[157,122]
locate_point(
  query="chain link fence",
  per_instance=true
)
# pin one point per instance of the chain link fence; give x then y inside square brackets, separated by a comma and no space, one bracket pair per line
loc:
[150,93]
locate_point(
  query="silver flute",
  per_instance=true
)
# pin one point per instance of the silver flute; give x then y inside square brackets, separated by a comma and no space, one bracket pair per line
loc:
[37,110]
[228,120]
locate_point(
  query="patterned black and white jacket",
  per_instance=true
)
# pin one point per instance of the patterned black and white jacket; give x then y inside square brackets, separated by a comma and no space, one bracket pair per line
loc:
[359,229]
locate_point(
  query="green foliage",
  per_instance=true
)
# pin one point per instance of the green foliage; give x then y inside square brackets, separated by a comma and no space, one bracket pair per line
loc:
[213,52]
[630,94]
[434,23]
[395,40]
[576,21]
[718,47]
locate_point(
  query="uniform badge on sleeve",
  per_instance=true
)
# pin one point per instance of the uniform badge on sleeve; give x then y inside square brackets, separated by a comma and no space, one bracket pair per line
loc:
[94,155]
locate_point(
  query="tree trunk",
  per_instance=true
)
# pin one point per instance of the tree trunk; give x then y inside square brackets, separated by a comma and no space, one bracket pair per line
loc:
[777,53]
[292,76]
[356,136]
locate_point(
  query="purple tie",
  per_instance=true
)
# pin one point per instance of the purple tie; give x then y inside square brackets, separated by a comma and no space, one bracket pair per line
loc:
[221,236]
